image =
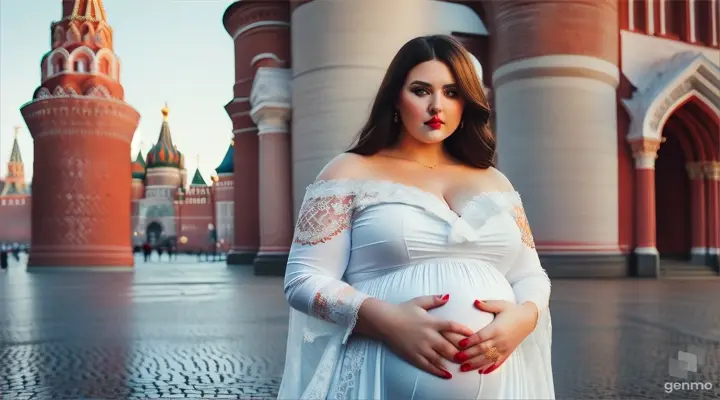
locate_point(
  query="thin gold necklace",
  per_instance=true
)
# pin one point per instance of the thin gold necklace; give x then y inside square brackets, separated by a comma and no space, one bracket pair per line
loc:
[408,159]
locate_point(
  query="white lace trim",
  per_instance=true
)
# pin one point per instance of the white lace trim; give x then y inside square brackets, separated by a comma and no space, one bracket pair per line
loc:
[369,192]
[352,363]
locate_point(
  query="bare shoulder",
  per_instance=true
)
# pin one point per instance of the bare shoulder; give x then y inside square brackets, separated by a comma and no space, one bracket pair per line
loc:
[345,166]
[500,181]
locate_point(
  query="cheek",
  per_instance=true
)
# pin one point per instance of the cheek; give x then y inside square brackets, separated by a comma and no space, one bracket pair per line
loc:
[413,109]
[454,110]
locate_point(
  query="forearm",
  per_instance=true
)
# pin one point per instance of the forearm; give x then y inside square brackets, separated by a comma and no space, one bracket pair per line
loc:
[372,319]
[533,289]
[532,311]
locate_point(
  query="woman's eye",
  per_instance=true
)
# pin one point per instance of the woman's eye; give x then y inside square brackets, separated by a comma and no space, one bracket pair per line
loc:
[420,92]
[451,93]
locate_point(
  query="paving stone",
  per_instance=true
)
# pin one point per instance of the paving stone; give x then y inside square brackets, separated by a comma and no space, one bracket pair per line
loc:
[202,330]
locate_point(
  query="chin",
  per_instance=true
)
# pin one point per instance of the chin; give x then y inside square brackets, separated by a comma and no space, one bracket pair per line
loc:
[432,137]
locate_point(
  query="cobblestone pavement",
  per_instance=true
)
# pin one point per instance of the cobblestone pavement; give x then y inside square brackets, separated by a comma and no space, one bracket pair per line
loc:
[202,330]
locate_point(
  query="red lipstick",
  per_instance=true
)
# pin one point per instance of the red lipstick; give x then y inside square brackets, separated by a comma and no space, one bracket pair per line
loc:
[434,122]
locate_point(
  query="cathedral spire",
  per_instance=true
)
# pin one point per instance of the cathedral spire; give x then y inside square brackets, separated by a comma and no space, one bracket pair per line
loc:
[84,10]
[15,178]
[15,156]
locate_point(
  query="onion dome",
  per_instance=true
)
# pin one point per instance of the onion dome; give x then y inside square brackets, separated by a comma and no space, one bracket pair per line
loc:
[197,179]
[227,166]
[164,153]
[182,159]
[138,167]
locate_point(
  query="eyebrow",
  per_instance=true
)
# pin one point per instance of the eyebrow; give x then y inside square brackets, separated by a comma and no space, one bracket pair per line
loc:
[421,83]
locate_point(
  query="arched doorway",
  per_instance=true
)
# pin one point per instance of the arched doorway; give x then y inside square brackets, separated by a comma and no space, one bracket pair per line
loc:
[153,233]
[686,200]
[672,190]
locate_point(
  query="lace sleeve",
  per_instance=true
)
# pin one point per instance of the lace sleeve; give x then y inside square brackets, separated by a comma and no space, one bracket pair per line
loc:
[529,280]
[319,256]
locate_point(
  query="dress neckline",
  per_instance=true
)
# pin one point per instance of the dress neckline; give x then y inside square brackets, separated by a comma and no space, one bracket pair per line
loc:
[445,206]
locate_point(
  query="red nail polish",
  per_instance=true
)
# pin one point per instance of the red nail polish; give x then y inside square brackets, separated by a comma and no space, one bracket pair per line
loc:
[489,370]
[478,303]
[460,357]
[465,367]
[463,343]
[446,297]
[447,375]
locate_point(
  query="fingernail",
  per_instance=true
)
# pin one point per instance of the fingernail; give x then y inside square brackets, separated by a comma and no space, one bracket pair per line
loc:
[478,303]
[463,343]
[489,370]
[446,297]
[465,367]
[460,357]
[447,375]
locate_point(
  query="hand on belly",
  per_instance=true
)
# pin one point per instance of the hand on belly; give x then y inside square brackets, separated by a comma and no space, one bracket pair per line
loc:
[460,308]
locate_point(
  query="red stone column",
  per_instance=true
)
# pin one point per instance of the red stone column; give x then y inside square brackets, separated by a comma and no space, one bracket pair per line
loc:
[271,112]
[254,27]
[647,259]
[712,174]
[82,188]
[698,210]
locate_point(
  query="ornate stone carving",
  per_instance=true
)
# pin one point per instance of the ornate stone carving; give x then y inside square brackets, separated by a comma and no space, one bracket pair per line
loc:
[645,152]
[681,76]
[271,99]
[271,85]
[712,170]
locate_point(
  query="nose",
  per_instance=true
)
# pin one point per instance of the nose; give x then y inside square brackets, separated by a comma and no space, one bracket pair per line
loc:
[435,104]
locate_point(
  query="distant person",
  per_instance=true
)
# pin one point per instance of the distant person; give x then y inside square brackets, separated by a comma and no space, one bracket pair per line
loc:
[147,251]
[3,259]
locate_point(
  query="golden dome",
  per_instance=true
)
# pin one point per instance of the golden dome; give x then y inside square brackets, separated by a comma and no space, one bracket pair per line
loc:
[165,111]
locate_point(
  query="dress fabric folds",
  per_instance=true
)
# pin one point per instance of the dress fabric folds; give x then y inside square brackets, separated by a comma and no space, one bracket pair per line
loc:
[356,239]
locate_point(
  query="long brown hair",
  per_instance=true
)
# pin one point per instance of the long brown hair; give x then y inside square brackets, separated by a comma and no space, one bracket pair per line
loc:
[473,143]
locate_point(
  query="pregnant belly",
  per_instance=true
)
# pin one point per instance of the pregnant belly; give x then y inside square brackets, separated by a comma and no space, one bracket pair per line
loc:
[464,284]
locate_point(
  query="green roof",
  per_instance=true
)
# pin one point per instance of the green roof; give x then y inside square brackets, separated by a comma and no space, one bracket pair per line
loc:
[197,179]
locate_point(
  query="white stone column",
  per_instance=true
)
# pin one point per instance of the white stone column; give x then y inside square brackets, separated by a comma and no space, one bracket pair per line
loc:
[270,101]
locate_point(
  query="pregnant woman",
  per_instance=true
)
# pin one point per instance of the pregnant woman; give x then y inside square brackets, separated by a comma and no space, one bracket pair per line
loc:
[413,272]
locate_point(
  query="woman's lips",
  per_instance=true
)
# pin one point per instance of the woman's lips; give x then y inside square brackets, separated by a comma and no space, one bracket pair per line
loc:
[434,125]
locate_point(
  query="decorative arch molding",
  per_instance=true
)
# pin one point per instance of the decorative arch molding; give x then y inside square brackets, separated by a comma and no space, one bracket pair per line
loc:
[266,56]
[107,54]
[60,52]
[102,26]
[87,26]
[704,148]
[73,34]
[87,51]
[684,76]
[58,36]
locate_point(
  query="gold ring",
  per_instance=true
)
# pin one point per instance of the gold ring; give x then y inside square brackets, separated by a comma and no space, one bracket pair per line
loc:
[493,354]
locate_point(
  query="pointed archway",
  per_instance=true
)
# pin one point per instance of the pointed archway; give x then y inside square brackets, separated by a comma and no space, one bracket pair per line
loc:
[677,192]
[154,233]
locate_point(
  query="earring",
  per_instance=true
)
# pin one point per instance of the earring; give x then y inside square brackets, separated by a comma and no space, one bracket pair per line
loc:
[395,117]
[462,124]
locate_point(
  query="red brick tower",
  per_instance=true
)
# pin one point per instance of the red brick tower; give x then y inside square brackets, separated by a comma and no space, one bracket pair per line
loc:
[15,200]
[82,130]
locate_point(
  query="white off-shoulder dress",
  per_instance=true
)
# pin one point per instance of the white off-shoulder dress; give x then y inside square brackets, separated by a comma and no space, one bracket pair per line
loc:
[356,239]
